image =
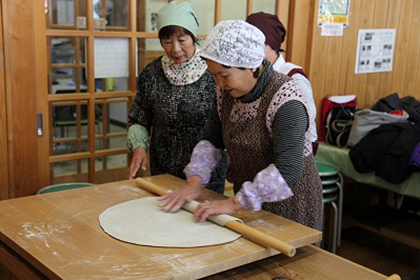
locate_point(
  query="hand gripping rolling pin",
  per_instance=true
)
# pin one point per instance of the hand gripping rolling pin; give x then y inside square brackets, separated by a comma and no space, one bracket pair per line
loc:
[248,232]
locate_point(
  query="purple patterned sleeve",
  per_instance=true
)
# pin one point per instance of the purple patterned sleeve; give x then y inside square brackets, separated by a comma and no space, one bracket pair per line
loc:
[204,159]
[268,186]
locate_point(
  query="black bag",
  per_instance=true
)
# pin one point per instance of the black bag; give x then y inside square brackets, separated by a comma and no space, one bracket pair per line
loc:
[388,104]
[338,124]
[393,102]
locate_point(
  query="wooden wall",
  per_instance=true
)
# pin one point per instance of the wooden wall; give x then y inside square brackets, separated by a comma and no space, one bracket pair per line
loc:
[330,61]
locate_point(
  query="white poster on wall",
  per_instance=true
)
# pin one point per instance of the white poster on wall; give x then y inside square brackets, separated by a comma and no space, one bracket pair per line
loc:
[375,50]
[334,11]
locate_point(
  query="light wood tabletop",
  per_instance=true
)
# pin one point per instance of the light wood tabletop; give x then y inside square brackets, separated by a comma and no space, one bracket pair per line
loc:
[310,262]
[57,235]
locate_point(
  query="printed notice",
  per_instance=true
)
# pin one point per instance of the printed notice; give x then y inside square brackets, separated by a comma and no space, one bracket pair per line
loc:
[111,57]
[332,29]
[375,50]
[334,11]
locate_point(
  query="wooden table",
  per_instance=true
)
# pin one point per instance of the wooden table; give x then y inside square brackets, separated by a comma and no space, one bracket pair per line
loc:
[310,262]
[57,235]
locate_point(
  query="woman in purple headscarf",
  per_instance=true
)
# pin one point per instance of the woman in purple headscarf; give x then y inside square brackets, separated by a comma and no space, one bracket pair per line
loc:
[275,33]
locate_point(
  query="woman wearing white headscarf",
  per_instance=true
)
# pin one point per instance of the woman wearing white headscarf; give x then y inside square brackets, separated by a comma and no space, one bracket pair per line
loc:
[261,119]
[175,93]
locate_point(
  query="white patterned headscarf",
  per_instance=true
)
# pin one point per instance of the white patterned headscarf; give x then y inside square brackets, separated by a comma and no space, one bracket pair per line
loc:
[235,43]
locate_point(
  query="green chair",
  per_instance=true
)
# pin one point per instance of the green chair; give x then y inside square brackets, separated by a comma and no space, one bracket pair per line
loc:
[332,185]
[62,187]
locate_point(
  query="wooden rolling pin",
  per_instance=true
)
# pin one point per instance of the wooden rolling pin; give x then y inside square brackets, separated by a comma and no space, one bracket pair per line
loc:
[248,232]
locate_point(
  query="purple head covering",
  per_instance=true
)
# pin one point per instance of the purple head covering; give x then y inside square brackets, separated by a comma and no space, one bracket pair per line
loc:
[271,26]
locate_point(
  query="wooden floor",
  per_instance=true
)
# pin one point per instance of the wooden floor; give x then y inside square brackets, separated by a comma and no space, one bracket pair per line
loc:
[374,251]
[380,253]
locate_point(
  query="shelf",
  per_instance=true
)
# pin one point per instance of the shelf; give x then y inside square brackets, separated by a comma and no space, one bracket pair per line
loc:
[389,222]
[406,231]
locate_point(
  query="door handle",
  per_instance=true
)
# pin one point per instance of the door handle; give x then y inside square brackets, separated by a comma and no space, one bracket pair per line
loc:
[39,129]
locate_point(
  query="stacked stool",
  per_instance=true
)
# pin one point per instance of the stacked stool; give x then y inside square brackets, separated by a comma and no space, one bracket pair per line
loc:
[332,193]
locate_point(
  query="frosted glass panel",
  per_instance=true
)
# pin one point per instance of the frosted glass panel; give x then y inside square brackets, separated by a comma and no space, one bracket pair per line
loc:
[233,9]
[266,6]
[204,11]
[111,64]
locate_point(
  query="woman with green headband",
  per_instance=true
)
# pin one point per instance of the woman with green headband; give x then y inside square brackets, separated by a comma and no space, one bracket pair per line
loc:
[175,94]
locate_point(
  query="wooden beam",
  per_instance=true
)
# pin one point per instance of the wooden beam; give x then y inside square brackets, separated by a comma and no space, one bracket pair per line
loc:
[217,11]
[41,71]
[91,90]
[249,7]
[282,12]
[4,147]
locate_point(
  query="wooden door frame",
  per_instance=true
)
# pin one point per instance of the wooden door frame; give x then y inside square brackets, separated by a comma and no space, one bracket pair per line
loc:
[21,96]
[42,91]
[4,150]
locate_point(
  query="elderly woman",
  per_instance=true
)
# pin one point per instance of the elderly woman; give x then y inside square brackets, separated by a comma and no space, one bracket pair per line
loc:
[275,33]
[261,119]
[174,98]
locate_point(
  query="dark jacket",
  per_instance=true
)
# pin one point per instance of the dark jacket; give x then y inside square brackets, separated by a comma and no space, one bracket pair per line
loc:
[393,102]
[387,151]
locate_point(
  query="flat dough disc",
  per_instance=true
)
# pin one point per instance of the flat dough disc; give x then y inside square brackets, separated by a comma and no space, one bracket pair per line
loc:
[141,221]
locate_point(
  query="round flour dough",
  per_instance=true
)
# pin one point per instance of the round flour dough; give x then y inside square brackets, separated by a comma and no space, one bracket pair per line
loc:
[141,221]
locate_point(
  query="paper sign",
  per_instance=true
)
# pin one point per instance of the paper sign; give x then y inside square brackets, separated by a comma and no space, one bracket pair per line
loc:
[332,29]
[81,22]
[333,11]
[375,50]
[99,23]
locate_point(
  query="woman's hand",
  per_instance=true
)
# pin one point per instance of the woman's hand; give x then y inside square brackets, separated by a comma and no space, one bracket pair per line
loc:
[139,160]
[172,201]
[206,209]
